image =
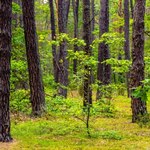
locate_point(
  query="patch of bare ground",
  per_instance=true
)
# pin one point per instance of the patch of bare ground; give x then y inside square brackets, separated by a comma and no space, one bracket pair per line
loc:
[8,146]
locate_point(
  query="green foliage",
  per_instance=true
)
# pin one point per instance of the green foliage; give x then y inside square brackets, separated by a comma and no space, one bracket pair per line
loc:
[119,66]
[144,120]
[16,8]
[103,107]
[19,102]
[141,91]
[113,135]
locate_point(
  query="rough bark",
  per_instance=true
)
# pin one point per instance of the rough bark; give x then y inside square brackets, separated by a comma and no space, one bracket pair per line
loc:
[137,70]
[63,10]
[53,33]
[5,54]
[104,70]
[131,6]
[87,38]
[92,17]
[126,36]
[75,5]
[35,78]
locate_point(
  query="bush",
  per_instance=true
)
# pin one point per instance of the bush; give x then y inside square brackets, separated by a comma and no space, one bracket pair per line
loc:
[19,101]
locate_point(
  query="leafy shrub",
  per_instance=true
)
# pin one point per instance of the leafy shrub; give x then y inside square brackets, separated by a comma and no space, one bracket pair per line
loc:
[114,135]
[19,102]
[144,120]
[104,107]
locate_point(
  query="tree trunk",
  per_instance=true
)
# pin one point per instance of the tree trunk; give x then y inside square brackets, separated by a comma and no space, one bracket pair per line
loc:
[131,6]
[53,30]
[63,10]
[5,54]
[92,17]
[87,38]
[75,5]
[104,70]
[35,78]
[137,70]
[126,36]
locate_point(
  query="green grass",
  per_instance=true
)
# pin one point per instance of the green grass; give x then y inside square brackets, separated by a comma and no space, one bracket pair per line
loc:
[65,132]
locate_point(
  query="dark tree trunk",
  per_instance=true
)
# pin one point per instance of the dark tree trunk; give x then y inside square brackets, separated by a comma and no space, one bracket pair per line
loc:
[104,70]
[53,30]
[92,17]
[87,38]
[5,54]
[20,16]
[137,70]
[126,36]
[63,10]
[75,5]
[131,6]
[35,78]
[120,31]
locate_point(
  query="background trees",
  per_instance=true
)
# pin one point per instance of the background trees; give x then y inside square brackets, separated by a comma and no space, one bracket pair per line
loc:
[63,10]
[103,70]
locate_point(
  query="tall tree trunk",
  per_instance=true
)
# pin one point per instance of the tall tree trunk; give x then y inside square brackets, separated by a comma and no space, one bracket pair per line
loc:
[92,17]
[131,6]
[53,30]
[63,10]
[126,43]
[5,54]
[20,16]
[137,70]
[35,78]
[120,30]
[104,70]
[87,38]
[75,5]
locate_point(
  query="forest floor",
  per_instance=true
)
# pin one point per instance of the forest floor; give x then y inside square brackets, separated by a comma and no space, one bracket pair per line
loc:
[68,133]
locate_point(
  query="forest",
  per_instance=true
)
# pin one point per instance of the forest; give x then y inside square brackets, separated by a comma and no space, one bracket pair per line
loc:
[74,74]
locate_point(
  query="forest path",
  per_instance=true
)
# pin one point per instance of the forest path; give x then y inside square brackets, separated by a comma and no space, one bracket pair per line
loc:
[8,146]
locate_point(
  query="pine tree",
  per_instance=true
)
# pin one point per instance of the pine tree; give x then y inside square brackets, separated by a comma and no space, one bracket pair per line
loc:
[35,77]
[137,70]
[5,55]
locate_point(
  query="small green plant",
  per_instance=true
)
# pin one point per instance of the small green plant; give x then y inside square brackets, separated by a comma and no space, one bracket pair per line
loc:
[113,135]
[19,102]
[141,91]
[144,120]
[103,107]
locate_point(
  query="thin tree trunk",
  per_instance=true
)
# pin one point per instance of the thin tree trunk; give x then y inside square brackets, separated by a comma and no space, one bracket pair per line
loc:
[5,54]
[127,44]
[87,38]
[104,70]
[53,30]
[20,16]
[92,17]
[63,10]
[131,6]
[75,5]
[35,78]
[137,70]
